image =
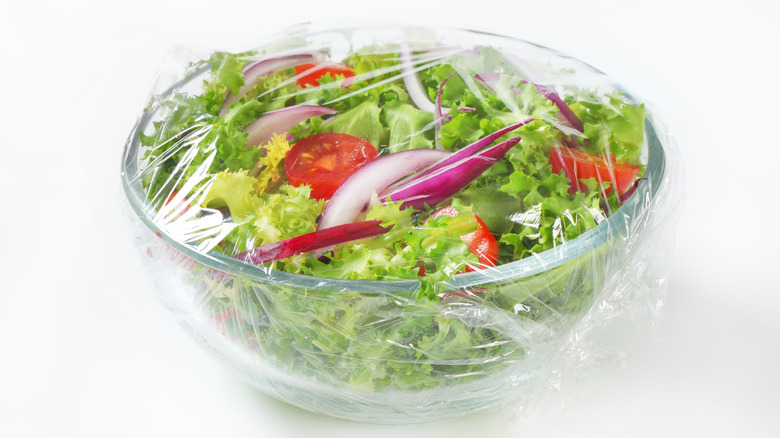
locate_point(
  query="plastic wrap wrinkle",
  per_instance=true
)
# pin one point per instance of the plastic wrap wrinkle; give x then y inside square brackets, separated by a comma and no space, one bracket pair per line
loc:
[415,324]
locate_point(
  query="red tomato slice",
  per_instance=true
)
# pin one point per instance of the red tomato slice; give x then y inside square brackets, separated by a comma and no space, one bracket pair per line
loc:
[321,70]
[324,161]
[578,165]
[481,242]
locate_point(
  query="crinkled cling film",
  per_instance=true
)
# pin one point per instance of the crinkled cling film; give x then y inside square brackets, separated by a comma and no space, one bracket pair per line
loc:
[397,224]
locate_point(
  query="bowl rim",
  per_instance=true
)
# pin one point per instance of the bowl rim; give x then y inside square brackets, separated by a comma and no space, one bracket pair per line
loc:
[611,227]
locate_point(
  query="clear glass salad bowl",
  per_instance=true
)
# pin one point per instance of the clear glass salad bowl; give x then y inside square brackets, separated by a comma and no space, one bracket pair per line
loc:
[369,350]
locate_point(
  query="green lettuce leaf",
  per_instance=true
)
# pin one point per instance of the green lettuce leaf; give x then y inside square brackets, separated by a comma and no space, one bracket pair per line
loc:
[361,121]
[410,128]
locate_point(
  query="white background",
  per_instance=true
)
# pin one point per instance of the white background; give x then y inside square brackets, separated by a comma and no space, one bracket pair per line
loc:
[86,350]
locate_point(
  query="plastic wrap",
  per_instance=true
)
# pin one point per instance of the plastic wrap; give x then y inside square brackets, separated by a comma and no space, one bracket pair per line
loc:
[370,304]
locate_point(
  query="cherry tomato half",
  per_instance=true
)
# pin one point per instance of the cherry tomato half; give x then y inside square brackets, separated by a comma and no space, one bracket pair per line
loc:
[317,71]
[481,241]
[324,161]
[578,165]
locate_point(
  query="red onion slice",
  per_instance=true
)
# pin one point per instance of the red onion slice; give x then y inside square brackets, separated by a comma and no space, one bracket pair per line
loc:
[412,81]
[454,158]
[279,121]
[356,191]
[437,112]
[263,67]
[312,241]
[439,185]
[488,80]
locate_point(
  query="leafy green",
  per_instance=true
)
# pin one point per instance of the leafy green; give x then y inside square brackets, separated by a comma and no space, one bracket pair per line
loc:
[228,72]
[226,76]
[361,121]
[235,190]
[268,165]
[410,128]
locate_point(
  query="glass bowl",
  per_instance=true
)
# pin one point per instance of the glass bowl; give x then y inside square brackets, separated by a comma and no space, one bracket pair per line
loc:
[369,350]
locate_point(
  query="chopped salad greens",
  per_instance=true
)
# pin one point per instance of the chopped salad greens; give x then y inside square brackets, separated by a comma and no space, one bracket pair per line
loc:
[386,165]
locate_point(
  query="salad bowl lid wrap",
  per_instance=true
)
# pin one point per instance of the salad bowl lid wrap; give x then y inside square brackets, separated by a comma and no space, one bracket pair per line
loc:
[399,224]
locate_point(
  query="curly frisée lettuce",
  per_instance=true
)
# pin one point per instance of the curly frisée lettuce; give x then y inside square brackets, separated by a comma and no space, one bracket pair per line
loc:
[199,147]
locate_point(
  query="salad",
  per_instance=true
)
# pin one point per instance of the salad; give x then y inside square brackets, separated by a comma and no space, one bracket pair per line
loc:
[332,183]
[387,165]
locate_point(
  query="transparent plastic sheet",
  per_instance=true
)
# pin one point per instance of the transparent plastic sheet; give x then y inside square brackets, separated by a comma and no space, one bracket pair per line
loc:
[445,336]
